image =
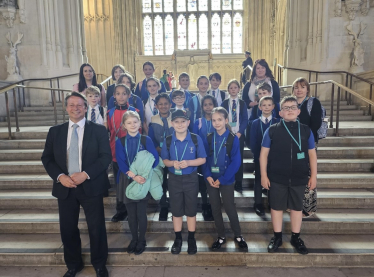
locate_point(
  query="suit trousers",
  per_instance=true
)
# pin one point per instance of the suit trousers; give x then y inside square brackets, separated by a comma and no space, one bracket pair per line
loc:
[227,193]
[93,208]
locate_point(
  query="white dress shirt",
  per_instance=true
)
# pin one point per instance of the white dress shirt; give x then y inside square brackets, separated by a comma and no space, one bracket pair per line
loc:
[234,129]
[98,117]
[263,119]
[148,109]
[217,94]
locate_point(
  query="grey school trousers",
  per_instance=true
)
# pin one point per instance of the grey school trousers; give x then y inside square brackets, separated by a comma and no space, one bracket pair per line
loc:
[227,194]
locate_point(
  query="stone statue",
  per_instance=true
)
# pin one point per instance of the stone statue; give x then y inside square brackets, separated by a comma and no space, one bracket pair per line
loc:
[358,51]
[12,68]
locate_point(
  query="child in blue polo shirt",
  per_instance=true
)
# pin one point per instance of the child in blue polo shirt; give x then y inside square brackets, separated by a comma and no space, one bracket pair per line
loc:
[159,129]
[141,87]
[219,171]
[182,153]
[195,103]
[258,128]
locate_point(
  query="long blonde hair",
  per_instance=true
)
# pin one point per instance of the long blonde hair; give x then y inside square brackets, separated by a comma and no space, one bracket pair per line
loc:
[222,111]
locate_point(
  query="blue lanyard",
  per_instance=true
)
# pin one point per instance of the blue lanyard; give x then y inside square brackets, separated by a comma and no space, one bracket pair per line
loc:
[262,131]
[176,152]
[208,126]
[298,144]
[127,152]
[214,147]
[302,102]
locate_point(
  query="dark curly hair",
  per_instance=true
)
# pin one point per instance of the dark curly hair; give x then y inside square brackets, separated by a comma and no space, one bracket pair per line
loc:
[262,62]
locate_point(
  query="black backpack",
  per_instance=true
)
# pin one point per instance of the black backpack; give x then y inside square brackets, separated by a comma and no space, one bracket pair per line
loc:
[228,144]
[143,141]
[193,137]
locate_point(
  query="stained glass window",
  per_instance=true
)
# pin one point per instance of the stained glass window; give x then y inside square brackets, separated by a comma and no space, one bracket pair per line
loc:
[216,33]
[226,33]
[148,38]
[159,36]
[226,5]
[216,5]
[182,32]
[238,33]
[203,5]
[192,32]
[147,6]
[181,5]
[169,35]
[238,4]
[192,5]
[203,32]
[157,6]
[168,5]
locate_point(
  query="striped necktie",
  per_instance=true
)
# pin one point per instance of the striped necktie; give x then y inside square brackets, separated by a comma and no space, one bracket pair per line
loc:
[155,111]
[93,115]
[233,113]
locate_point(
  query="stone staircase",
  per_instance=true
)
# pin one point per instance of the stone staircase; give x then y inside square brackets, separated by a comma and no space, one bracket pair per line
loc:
[341,234]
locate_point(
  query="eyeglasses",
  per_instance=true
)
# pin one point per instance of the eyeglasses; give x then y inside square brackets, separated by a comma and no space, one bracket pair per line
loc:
[179,98]
[287,108]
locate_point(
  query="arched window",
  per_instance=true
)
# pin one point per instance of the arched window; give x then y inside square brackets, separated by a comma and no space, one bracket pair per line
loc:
[170,25]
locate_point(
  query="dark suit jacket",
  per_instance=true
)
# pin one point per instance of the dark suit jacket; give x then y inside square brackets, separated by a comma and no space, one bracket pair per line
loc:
[96,157]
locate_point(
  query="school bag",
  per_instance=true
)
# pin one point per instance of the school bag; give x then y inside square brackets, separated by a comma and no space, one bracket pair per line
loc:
[143,141]
[193,137]
[228,144]
[322,131]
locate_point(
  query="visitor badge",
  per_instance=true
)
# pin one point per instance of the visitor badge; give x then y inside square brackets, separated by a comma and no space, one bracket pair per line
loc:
[178,171]
[215,169]
[233,124]
[116,138]
[161,143]
[300,156]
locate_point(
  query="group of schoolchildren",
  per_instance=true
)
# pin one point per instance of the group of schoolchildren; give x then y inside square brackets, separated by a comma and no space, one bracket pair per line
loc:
[200,139]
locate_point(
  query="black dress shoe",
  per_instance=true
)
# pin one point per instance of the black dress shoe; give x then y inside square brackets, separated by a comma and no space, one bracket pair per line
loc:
[241,242]
[140,247]
[163,214]
[207,212]
[132,246]
[177,246]
[73,272]
[238,187]
[119,217]
[299,246]
[259,209]
[218,243]
[192,248]
[274,244]
[102,272]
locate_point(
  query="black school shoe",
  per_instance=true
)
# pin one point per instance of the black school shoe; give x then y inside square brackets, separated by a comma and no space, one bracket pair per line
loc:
[132,246]
[140,247]
[299,246]
[274,244]
[163,216]
[218,243]
[177,246]
[102,272]
[259,209]
[238,187]
[242,244]
[207,212]
[192,248]
[73,272]
[119,217]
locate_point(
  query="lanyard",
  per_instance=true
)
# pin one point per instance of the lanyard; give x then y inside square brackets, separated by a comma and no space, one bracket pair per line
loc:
[302,102]
[262,131]
[214,146]
[114,123]
[208,126]
[298,144]
[176,152]
[127,152]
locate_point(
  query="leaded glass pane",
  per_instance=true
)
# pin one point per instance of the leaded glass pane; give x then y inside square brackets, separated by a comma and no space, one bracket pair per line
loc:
[169,35]
[157,6]
[238,33]
[216,5]
[168,5]
[192,5]
[238,4]
[147,6]
[182,42]
[226,5]
[159,36]
[203,5]
[203,32]
[148,38]
[226,33]
[192,32]
[216,33]
[181,5]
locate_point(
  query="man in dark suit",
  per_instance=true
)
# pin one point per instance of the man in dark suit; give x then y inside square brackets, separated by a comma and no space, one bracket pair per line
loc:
[76,156]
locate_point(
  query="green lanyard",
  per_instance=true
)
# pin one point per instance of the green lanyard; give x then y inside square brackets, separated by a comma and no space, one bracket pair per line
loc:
[214,146]
[128,152]
[208,126]
[262,131]
[302,102]
[176,152]
[298,144]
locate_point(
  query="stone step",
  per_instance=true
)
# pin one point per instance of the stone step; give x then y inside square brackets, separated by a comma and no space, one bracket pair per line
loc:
[342,107]
[351,141]
[326,221]
[325,251]
[344,117]
[341,113]
[327,199]
[22,144]
[46,118]
[38,113]
[335,180]
[43,108]
[35,123]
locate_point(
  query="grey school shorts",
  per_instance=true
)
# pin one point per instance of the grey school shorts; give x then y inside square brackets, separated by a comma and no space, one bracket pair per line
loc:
[183,192]
[283,197]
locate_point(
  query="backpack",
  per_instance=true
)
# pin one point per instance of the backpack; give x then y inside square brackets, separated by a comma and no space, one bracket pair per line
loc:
[322,131]
[143,141]
[193,137]
[228,144]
